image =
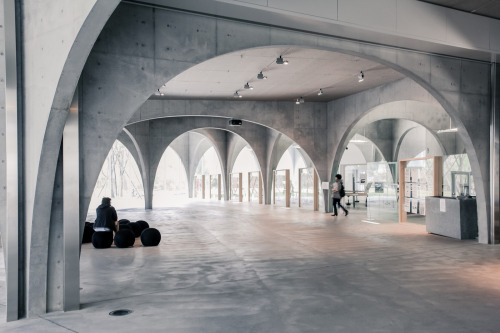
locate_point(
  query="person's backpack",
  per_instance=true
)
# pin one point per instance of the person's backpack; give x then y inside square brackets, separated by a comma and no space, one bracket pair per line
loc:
[342,191]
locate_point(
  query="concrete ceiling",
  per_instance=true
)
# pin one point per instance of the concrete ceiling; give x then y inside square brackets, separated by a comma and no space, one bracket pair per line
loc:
[308,71]
[489,8]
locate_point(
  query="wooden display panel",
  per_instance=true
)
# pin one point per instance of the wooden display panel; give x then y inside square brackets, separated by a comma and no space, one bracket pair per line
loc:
[437,190]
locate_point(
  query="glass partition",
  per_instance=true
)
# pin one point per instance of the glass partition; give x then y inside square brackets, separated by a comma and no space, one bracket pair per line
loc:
[214,187]
[280,188]
[306,187]
[457,176]
[354,177]
[255,187]
[382,191]
[235,186]
[198,186]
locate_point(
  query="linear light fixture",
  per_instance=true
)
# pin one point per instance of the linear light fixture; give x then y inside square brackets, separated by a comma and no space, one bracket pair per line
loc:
[448,130]
[356,139]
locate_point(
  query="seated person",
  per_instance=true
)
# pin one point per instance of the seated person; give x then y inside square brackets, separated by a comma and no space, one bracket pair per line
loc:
[106,219]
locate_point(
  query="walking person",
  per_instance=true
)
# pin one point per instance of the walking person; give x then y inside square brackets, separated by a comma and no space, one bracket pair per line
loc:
[338,193]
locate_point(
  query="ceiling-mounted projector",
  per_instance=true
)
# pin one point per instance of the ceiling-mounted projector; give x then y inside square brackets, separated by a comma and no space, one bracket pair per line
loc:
[235,122]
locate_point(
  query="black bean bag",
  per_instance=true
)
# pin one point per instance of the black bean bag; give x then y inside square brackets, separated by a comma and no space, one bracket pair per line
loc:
[88,231]
[136,229]
[143,224]
[102,239]
[125,227]
[124,238]
[150,237]
[123,221]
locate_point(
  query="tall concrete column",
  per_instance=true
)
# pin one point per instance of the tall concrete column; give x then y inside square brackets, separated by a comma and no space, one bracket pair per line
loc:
[494,152]
[14,230]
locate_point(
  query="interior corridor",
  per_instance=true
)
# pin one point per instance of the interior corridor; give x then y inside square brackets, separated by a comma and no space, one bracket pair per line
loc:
[239,267]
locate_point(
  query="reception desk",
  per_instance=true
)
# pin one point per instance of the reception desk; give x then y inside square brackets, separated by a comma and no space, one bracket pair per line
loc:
[451,217]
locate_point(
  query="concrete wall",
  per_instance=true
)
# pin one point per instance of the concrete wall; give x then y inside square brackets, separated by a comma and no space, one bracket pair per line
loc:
[141,48]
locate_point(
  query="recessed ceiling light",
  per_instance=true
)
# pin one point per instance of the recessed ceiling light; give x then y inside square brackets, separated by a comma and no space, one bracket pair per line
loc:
[247,86]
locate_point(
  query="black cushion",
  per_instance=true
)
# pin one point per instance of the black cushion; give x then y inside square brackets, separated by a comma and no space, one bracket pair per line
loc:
[150,237]
[102,239]
[124,238]
[143,224]
[125,226]
[136,229]
[123,221]
[88,231]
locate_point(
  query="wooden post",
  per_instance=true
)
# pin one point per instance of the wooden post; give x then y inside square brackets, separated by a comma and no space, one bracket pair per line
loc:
[219,186]
[274,187]
[402,212]
[300,187]
[240,185]
[287,188]
[316,190]
[249,191]
[260,188]
[203,186]
[438,176]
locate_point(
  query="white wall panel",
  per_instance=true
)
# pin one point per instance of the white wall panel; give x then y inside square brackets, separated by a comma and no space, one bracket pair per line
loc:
[255,2]
[495,35]
[422,20]
[319,8]
[468,30]
[378,14]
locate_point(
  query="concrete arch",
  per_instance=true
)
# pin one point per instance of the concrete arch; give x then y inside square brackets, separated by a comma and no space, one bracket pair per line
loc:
[162,132]
[460,86]
[452,82]
[52,106]
[364,106]
[364,151]
[400,140]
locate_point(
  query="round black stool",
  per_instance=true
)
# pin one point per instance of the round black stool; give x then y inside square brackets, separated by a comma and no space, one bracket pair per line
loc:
[124,238]
[102,239]
[150,237]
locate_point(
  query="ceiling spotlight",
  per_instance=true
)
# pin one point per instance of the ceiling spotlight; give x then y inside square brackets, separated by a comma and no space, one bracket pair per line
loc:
[261,76]
[281,61]
[320,92]
[236,95]
[361,76]
[301,100]
[297,101]
[161,93]
[247,86]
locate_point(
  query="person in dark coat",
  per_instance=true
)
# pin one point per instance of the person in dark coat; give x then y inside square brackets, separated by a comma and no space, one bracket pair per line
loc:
[107,219]
[336,195]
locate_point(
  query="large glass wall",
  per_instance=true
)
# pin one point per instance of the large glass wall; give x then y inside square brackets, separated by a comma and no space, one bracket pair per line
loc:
[457,176]
[292,160]
[209,166]
[171,183]
[246,162]
[120,180]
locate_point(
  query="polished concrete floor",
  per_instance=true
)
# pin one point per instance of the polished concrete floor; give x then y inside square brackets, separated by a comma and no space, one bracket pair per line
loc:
[230,267]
